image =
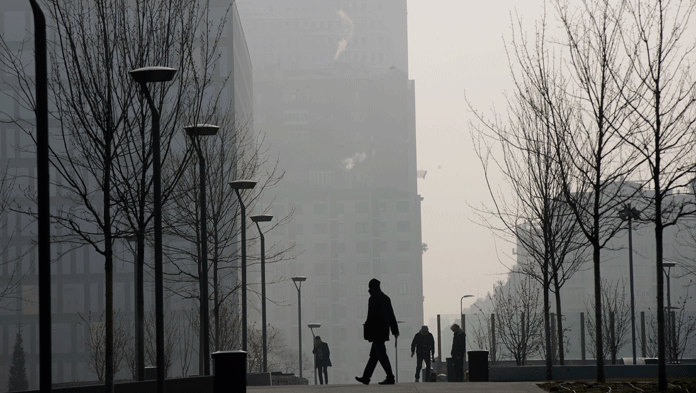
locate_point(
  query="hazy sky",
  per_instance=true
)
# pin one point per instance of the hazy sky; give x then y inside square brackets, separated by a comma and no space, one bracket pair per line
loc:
[456,47]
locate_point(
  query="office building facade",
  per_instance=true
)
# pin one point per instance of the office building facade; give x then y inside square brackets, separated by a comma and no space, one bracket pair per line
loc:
[334,101]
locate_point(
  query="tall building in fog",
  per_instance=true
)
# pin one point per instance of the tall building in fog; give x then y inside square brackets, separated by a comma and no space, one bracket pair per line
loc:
[77,275]
[333,98]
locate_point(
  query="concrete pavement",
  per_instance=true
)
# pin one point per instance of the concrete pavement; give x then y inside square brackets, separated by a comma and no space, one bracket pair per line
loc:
[409,387]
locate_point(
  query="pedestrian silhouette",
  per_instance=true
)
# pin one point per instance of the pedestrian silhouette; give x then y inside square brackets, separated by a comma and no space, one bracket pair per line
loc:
[380,318]
[423,346]
[458,345]
[321,352]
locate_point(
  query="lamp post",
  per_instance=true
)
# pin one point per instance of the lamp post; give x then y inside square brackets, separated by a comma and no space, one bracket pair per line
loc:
[132,240]
[297,280]
[463,320]
[396,353]
[143,76]
[311,327]
[194,132]
[44,197]
[238,185]
[630,213]
[257,219]
[669,266]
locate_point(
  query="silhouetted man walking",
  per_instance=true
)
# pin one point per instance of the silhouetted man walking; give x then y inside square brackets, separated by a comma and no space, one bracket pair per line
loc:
[380,318]
[423,346]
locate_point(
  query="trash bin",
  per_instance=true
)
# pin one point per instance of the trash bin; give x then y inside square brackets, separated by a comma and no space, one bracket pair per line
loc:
[230,371]
[451,372]
[150,373]
[478,366]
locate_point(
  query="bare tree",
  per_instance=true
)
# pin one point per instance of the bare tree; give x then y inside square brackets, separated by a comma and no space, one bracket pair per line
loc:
[95,338]
[537,218]
[481,331]
[663,104]
[682,324]
[595,187]
[681,327]
[616,320]
[172,335]
[519,316]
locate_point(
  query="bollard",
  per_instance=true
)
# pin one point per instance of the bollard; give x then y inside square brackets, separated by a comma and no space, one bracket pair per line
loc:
[230,371]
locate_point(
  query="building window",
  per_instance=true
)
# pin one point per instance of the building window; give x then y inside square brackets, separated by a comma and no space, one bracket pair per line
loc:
[403,207]
[320,228]
[321,313]
[362,311]
[364,268]
[320,208]
[321,248]
[405,311]
[340,208]
[361,227]
[404,266]
[361,207]
[340,248]
[320,177]
[300,117]
[362,247]
[403,226]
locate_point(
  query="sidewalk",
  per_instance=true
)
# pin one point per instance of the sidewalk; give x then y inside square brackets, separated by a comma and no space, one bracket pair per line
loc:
[444,387]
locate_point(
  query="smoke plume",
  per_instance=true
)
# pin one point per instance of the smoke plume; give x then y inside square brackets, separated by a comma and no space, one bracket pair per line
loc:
[347,33]
[350,162]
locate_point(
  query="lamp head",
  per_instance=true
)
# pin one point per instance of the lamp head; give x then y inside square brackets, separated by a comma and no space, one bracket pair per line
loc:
[201,129]
[314,325]
[668,264]
[242,184]
[261,217]
[299,278]
[153,74]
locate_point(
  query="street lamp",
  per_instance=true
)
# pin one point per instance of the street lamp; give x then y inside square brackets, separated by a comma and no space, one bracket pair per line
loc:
[238,185]
[257,219]
[297,280]
[44,196]
[669,266]
[312,326]
[396,353]
[463,320]
[143,76]
[630,213]
[194,132]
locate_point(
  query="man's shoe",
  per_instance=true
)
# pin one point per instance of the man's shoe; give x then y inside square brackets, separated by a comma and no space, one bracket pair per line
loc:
[363,380]
[417,379]
[388,381]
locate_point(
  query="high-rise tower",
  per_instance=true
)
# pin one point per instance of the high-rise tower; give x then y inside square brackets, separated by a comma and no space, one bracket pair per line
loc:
[332,96]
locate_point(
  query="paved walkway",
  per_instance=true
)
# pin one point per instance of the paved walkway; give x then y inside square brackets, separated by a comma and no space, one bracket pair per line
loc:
[439,387]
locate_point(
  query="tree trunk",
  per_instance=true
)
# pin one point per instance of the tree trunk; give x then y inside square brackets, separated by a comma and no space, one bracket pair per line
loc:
[547,327]
[561,355]
[598,313]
